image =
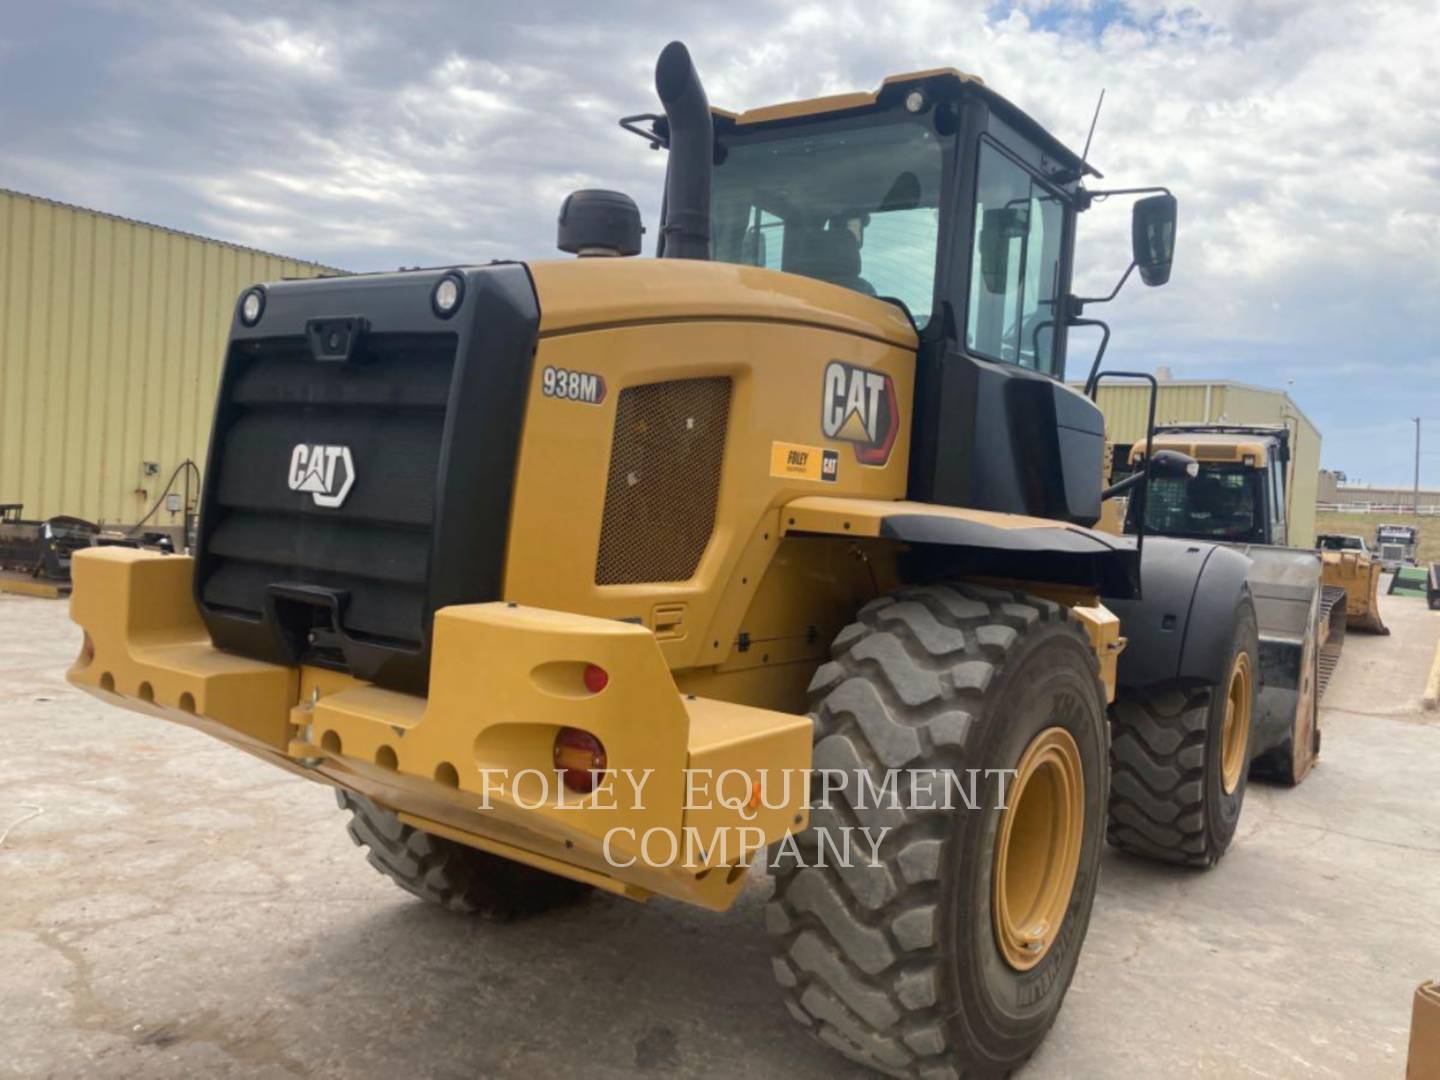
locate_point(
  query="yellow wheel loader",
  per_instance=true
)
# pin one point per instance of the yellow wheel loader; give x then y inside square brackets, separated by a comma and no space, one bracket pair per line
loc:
[1305,598]
[621,574]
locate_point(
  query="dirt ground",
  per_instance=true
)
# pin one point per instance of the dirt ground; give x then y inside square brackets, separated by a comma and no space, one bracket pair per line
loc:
[172,908]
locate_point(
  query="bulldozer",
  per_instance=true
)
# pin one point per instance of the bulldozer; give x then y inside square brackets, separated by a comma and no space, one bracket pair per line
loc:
[1305,597]
[622,574]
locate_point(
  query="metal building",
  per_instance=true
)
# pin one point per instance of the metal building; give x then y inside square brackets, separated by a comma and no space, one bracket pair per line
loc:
[1185,401]
[111,334]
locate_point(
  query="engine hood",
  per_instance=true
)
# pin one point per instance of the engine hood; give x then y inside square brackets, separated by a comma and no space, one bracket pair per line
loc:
[580,294]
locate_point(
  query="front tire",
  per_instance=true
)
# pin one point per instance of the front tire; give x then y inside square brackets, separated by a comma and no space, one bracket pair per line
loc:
[1180,758]
[928,963]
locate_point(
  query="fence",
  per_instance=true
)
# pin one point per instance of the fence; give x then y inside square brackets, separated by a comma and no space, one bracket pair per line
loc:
[1378,508]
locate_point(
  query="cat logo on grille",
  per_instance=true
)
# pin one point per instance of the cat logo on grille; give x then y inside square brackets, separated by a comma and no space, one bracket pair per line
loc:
[326,472]
[859,407]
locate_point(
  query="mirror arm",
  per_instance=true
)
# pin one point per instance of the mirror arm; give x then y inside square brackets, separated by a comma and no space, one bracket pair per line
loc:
[1078,302]
[654,135]
[1088,197]
[1124,485]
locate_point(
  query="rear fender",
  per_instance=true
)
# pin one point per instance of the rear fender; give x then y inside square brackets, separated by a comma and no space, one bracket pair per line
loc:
[977,543]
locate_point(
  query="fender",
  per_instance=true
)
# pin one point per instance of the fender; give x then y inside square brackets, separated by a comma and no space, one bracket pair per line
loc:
[988,543]
[1182,626]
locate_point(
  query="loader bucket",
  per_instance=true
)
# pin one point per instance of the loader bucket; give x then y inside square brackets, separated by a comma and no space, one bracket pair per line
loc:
[1359,576]
[1294,624]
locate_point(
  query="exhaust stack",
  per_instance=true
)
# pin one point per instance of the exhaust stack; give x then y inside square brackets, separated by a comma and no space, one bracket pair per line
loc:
[685,228]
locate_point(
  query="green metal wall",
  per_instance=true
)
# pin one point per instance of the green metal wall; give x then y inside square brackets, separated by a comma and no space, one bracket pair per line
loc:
[111,335]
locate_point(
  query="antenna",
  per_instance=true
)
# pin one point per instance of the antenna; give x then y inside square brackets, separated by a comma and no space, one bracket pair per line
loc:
[1085,154]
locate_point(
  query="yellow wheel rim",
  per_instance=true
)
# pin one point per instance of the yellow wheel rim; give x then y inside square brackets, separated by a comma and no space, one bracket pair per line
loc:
[1235,737]
[1038,848]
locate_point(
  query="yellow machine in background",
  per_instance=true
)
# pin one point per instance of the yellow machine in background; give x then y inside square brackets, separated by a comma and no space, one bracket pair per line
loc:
[1305,599]
[1358,573]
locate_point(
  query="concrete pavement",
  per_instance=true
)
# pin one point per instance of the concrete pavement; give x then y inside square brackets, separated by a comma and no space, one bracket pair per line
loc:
[177,909]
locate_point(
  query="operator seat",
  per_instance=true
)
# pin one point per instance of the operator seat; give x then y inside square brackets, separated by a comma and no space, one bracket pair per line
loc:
[831,255]
[1206,496]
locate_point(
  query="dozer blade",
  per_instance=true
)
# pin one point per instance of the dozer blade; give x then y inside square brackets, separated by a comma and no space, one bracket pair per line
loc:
[1359,576]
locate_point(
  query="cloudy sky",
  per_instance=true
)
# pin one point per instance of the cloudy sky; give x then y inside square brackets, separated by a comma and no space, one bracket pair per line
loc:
[1303,139]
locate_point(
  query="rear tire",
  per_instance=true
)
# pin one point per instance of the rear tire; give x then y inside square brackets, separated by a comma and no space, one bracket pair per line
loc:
[453,876]
[902,965]
[1169,797]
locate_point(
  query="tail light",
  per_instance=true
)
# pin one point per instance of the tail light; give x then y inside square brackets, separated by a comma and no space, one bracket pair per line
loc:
[596,678]
[579,756]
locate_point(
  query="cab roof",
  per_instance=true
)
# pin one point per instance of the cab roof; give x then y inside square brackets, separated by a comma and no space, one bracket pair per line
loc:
[1217,446]
[944,83]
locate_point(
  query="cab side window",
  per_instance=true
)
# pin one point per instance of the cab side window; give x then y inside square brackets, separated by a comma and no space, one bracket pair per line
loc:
[1015,265]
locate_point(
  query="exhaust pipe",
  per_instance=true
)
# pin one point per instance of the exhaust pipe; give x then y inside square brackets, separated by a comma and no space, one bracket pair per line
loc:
[685,228]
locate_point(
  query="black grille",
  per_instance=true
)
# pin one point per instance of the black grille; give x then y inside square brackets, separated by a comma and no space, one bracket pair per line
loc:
[387,407]
[429,420]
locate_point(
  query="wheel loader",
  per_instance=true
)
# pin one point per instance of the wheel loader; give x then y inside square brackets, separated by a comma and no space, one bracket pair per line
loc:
[1304,597]
[559,572]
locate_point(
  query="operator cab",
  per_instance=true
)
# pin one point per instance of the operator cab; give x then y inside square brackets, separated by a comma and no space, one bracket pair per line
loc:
[937,194]
[861,190]
[1238,492]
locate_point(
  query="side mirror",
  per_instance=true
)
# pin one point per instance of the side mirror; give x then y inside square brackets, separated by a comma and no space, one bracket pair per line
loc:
[1172,464]
[1162,465]
[997,228]
[1152,237]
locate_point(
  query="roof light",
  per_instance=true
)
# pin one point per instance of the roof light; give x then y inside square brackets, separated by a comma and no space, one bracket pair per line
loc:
[252,305]
[449,291]
[915,101]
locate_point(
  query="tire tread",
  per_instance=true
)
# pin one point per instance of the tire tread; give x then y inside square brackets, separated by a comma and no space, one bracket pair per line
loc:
[451,875]
[856,962]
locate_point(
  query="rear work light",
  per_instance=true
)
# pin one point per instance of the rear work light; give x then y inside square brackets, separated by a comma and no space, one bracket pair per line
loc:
[252,305]
[579,757]
[449,291]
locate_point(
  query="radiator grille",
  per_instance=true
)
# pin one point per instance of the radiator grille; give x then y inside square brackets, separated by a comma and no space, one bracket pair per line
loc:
[389,410]
[664,480]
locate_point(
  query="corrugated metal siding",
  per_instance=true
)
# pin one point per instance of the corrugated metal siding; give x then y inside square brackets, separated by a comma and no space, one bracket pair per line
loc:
[111,334]
[1249,406]
[1126,408]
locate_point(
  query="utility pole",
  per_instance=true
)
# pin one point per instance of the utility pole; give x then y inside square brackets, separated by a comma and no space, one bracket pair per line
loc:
[1417,466]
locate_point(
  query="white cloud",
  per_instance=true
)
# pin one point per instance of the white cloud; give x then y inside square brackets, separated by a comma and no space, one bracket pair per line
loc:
[1302,137]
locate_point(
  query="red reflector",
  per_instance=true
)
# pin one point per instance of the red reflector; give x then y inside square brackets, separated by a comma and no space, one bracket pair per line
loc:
[579,756]
[596,678]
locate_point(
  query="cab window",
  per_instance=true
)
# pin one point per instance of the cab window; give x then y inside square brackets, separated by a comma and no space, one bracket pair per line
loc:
[855,204]
[1015,265]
